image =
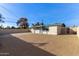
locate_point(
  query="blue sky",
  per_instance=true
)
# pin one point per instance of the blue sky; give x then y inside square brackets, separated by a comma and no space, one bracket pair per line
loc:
[36,12]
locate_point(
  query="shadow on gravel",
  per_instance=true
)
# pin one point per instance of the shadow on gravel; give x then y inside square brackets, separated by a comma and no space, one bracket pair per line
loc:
[12,46]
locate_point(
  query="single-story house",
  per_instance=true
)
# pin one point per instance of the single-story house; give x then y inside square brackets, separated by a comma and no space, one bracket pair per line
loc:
[39,29]
[55,29]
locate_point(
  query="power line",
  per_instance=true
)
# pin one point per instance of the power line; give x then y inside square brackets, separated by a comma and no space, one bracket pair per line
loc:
[8,11]
[10,21]
[11,18]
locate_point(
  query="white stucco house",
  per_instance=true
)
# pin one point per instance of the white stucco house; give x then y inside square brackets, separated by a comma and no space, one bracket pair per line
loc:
[55,29]
[39,29]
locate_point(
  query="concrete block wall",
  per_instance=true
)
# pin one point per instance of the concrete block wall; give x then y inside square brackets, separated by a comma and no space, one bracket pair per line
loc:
[7,31]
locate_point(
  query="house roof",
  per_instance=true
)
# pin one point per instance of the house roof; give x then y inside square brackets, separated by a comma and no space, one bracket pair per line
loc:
[40,27]
[56,24]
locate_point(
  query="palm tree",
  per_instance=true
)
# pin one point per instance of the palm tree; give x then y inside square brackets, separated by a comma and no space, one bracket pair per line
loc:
[23,23]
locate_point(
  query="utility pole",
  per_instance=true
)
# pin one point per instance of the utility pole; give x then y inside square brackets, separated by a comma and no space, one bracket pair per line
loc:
[42,26]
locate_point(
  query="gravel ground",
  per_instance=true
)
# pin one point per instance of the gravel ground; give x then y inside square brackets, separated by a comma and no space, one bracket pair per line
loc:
[27,44]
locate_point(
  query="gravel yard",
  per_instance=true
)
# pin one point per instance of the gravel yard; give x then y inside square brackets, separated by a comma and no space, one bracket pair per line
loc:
[27,44]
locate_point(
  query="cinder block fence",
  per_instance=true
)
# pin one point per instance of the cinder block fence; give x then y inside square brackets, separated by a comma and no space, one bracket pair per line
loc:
[8,31]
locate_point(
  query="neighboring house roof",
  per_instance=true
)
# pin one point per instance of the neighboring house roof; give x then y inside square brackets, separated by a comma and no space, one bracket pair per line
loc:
[40,27]
[56,24]
[43,27]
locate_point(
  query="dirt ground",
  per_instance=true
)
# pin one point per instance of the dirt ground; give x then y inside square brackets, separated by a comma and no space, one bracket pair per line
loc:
[27,44]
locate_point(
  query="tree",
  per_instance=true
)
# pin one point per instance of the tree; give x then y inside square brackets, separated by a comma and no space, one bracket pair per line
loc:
[8,27]
[63,25]
[1,27]
[39,25]
[42,23]
[23,23]
[1,17]
[12,27]
[74,26]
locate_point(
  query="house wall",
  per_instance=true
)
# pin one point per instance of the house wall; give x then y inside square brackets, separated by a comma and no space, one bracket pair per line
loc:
[45,32]
[64,30]
[73,30]
[57,30]
[32,30]
[37,31]
[53,30]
